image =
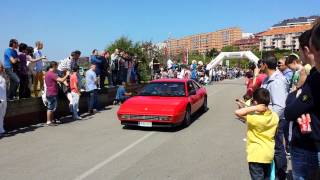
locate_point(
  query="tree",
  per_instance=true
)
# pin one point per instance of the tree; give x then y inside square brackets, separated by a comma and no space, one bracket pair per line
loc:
[230,48]
[143,50]
[212,53]
[123,43]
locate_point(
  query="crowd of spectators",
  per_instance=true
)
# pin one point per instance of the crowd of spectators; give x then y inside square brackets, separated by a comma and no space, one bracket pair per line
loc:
[284,94]
[27,73]
[196,71]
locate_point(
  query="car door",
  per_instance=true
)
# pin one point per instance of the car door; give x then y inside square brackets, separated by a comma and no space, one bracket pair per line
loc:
[199,95]
[192,98]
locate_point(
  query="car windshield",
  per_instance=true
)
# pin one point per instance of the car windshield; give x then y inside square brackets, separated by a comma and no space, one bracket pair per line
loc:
[174,89]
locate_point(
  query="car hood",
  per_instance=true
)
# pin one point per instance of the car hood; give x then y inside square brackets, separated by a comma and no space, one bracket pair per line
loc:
[153,105]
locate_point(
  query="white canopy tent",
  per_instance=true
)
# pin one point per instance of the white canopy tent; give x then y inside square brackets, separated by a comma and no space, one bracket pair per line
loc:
[232,55]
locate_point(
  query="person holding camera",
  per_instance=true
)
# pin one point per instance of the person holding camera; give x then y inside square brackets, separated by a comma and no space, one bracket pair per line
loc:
[114,65]
[99,61]
[262,125]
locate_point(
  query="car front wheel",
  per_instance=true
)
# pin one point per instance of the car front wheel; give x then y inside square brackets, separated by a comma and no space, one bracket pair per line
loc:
[204,107]
[187,117]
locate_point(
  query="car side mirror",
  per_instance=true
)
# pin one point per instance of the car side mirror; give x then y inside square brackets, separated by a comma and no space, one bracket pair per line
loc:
[193,92]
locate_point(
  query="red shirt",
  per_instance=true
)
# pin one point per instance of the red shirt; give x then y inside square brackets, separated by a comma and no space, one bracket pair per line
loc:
[249,83]
[51,83]
[74,83]
[259,80]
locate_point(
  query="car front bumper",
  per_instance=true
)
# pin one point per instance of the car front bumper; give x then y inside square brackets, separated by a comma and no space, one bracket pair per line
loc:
[154,124]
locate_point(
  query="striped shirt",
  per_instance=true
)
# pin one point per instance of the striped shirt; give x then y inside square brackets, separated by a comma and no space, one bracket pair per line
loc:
[65,64]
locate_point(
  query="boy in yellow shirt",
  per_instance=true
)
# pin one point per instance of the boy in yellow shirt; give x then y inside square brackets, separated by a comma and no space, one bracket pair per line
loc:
[262,125]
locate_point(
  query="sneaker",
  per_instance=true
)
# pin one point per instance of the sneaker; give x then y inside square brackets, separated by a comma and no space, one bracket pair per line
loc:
[78,118]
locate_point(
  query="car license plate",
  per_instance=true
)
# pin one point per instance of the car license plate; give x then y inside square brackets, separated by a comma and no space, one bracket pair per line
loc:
[145,124]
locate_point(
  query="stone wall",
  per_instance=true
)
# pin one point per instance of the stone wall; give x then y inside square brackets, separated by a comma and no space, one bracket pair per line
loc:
[26,112]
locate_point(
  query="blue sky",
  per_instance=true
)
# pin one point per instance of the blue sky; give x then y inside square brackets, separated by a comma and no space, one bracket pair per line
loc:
[66,25]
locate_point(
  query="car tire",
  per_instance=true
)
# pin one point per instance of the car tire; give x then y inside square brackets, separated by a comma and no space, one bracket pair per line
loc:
[187,117]
[204,107]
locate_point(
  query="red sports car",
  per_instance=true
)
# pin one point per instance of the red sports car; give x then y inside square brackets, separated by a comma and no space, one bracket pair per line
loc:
[164,103]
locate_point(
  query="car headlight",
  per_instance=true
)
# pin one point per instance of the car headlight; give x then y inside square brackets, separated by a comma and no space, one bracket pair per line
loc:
[124,116]
[164,118]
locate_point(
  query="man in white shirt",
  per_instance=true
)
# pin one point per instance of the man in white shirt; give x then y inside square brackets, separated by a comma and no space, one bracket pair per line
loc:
[169,63]
[68,63]
[114,64]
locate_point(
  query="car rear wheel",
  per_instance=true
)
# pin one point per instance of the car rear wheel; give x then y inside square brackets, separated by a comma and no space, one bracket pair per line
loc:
[187,118]
[204,107]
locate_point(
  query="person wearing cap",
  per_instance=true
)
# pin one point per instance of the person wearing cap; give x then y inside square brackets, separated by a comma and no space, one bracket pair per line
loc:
[11,58]
[277,85]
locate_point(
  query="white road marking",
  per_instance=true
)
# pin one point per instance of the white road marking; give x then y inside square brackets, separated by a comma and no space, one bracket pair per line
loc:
[113,157]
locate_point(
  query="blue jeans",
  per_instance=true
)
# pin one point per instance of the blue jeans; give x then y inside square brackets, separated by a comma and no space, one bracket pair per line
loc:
[125,75]
[75,104]
[92,100]
[260,171]
[304,163]
[114,77]
[280,158]
[14,83]
[52,103]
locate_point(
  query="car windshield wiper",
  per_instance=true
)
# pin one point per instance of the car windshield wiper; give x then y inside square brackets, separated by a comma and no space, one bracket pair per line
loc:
[148,94]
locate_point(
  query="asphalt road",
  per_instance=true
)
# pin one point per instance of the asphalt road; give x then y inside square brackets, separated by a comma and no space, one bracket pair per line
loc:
[98,147]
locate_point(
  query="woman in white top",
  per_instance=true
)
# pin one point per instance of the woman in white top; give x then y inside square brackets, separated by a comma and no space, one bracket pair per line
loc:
[31,63]
[3,98]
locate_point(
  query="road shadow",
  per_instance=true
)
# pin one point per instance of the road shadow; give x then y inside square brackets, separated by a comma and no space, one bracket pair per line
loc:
[21,130]
[195,117]
[59,120]
[230,83]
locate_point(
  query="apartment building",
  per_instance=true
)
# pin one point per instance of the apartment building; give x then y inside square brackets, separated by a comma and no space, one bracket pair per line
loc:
[204,42]
[285,35]
[248,43]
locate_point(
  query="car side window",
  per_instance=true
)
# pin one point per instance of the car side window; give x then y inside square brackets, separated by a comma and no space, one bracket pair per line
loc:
[196,85]
[190,86]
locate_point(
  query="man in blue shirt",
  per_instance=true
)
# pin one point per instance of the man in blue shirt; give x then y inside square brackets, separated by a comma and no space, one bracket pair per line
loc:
[100,62]
[10,58]
[287,72]
[122,95]
[91,88]
[277,85]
